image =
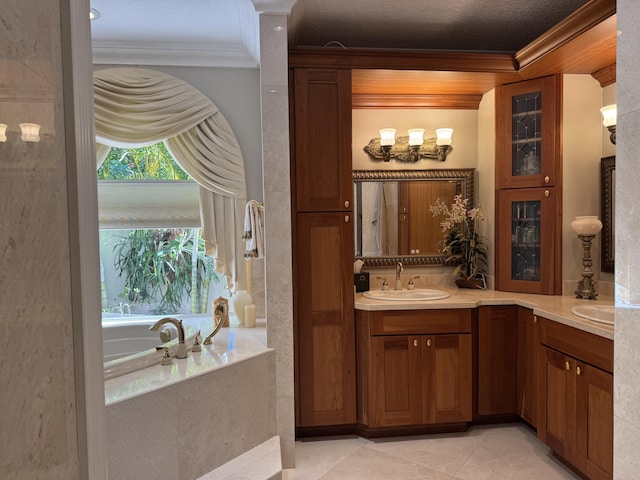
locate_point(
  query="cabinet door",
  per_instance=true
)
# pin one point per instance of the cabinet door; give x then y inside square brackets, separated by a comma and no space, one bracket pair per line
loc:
[529,242]
[322,153]
[396,381]
[325,348]
[446,378]
[556,422]
[527,365]
[594,422]
[528,150]
[496,363]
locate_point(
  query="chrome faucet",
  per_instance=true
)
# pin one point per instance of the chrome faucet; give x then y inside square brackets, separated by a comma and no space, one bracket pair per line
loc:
[181,352]
[399,269]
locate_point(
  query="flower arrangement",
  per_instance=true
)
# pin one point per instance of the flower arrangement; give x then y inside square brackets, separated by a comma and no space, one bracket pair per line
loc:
[462,243]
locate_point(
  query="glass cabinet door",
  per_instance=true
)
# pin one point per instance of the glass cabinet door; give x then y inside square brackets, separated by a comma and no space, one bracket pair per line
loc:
[527,134]
[528,254]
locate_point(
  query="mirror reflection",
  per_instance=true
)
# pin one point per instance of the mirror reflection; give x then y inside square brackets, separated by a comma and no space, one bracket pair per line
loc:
[393,220]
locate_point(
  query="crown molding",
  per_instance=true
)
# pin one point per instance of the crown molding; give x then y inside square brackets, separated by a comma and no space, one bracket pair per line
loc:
[464,102]
[606,76]
[172,54]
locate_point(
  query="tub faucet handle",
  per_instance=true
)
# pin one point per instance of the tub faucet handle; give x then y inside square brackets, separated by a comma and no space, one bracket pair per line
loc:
[196,347]
[166,356]
[411,285]
[181,352]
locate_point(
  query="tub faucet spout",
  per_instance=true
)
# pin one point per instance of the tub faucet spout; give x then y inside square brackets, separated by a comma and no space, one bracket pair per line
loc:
[181,352]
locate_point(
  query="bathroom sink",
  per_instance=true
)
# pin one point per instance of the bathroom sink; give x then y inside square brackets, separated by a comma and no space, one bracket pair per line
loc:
[406,295]
[597,313]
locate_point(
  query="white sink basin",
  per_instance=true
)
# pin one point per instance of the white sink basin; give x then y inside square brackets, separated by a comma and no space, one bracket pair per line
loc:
[596,313]
[406,295]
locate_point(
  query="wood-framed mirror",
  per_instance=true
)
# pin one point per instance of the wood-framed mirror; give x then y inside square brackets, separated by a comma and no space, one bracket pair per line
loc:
[392,217]
[607,213]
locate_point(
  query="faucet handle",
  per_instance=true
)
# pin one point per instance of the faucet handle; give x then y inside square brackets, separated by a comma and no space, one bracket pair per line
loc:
[166,356]
[385,284]
[411,285]
[196,347]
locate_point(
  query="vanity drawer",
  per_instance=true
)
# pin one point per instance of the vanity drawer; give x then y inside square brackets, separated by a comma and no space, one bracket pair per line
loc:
[418,322]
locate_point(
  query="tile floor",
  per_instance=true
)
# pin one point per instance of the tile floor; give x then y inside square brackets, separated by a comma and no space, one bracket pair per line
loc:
[509,452]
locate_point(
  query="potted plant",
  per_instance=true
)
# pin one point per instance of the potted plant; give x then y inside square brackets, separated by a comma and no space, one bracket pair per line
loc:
[462,244]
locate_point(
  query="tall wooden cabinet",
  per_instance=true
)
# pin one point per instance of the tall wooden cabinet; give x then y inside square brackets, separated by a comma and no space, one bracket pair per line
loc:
[323,248]
[575,397]
[529,186]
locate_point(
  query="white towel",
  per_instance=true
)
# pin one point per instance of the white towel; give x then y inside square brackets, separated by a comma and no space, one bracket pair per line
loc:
[254,229]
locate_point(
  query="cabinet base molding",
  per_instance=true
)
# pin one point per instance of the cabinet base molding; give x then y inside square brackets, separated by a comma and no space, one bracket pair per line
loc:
[379,432]
[326,431]
[497,419]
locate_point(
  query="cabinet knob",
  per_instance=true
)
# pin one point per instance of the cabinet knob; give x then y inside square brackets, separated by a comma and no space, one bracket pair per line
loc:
[578,371]
[567,366]
[547,179]
[346,219]
[535,319]
[415,342]
[346,204]
[428,342]
[547,193]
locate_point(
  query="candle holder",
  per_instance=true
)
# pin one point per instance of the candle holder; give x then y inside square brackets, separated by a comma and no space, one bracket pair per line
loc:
[586,227]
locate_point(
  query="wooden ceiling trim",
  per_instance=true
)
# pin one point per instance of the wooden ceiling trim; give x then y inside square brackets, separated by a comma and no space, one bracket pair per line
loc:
[462,102]
[582,20]
[606,76]
[401,60]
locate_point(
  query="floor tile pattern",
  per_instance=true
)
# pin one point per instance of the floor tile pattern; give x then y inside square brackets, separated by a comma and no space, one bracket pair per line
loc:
[510,452]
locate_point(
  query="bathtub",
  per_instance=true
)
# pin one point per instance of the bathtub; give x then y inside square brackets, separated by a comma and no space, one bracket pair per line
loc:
[185,420]
[128,344]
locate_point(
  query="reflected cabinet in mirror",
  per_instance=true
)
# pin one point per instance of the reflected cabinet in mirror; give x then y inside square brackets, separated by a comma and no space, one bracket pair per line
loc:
[393,220]
[608,196]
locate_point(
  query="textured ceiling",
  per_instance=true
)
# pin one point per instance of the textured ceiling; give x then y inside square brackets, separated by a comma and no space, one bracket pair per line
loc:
[463,25]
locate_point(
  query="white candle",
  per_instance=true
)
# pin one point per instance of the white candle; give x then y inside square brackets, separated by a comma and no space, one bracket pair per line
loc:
[250,316]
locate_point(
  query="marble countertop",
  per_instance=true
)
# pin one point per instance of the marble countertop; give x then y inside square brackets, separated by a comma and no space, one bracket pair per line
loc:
[229,346]
[553,307]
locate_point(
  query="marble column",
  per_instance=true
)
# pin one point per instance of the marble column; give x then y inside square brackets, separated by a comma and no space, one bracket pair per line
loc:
[277,202]
[627,260]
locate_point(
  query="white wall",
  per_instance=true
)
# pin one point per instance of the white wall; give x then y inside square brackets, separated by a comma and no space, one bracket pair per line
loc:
[486,174]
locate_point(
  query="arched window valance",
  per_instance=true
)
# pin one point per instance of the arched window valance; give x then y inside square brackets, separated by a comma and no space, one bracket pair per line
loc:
[135,107]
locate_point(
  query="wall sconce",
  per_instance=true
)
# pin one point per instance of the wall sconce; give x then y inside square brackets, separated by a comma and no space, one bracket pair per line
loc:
[609,119]
[30,132]
[411,148]
[3,132]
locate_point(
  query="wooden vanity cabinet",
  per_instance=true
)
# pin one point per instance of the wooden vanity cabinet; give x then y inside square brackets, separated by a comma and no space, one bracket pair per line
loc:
[527,366]
[575,397]
[496,360]
[414,367]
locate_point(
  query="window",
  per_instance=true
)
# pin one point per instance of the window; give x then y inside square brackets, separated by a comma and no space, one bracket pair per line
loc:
[152,257]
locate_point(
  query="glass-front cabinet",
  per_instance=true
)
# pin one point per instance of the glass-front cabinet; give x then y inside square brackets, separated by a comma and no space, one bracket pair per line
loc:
[529,186]
[528,134]
[528,245]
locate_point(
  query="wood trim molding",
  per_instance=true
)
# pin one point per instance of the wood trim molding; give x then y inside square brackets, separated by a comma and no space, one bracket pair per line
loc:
[606,76]
[401,60]
[586,17]
[466,102]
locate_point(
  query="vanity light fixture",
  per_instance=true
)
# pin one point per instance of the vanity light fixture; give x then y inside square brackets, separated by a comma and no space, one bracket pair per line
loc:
[30,132]
[586,227]
[609,118]
[411,148]
[3,132]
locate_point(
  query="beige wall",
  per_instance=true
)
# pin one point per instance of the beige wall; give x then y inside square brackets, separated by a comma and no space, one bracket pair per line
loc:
[581,152]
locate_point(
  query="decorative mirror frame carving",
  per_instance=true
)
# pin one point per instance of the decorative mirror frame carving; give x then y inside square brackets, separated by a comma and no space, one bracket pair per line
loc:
[466,174]
[607,192]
